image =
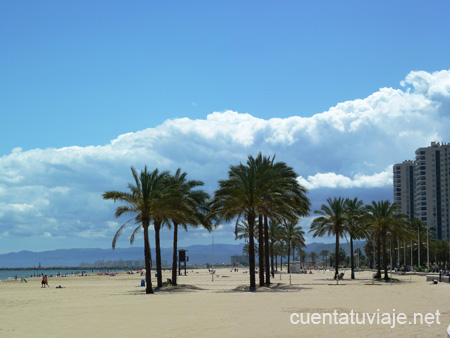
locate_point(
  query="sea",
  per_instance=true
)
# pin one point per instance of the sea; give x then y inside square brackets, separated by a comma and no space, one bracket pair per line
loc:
[34,273]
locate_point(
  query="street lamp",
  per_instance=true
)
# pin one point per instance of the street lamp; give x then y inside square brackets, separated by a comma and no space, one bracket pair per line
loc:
[418,247]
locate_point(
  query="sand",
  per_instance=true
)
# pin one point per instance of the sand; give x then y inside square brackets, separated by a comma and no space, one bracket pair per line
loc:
[106,306]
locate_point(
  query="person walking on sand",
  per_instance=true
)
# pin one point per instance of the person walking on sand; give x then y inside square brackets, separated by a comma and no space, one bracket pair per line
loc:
[44,281]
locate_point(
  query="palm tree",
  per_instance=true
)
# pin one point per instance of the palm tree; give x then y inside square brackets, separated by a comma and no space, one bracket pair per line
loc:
[354,212]
[302,256]
[242,230]
[313,257]
[383,219]
[246,249]
[279,250]
[331,222]
[194,211]
[261,187]
[237,197]
[138,202]
[281,197]
[274,236]
[293,236]
[164,204]
[324,253]
[284,200]
[261,250]
[419,227]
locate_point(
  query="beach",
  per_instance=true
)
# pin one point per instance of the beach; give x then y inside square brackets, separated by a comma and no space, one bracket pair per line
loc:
[114,306]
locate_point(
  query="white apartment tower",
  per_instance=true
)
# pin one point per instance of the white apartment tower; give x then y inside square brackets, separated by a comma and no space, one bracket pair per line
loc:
[421,188]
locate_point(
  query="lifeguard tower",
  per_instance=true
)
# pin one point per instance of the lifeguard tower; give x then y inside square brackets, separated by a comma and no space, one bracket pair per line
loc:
[182,259]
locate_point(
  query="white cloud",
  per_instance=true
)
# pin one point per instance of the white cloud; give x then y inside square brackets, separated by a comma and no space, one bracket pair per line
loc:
[333,180]
[349,146]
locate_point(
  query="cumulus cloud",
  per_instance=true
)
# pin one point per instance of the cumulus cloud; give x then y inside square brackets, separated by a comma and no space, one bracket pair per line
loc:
[333,180]
[351,146]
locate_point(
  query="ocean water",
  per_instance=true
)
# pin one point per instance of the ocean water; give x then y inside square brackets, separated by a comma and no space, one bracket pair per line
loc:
[9,274]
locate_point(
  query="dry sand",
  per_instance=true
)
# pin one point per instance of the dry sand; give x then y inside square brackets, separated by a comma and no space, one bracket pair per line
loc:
[105,306]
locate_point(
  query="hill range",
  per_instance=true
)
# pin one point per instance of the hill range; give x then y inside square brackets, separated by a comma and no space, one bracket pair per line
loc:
[198,254]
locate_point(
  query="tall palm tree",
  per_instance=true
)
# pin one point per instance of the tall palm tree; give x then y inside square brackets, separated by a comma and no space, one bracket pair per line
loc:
[293,236]
[383,219]
[164,204]
[138,202]
[302,256]
[354,225]
[283,198]
[194,209]
[418,231]
[237,197]
[313,257]
[274,236]
[242,230]
[331,222]
[261,250]
[246,249]
[279,250]
[254,189]
[324,253]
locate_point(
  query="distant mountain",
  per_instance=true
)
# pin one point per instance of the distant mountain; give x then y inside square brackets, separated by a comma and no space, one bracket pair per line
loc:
[198,254]
[318,247]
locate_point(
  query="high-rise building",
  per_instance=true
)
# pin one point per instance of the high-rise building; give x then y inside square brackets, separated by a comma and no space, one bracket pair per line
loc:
[404,187]
[421,188]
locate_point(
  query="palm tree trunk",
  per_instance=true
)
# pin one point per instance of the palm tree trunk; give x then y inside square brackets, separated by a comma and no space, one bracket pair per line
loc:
[261,250]
[336,258]
[148,258]
[289,257]
[352,264]
[251,251]
[386,277]
[175,247]
[276,263]
[158,254]
[266,250]
[378,257]
[271,259]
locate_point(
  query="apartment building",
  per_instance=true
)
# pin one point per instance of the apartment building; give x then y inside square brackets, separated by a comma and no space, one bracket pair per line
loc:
[404,187]
[421,188]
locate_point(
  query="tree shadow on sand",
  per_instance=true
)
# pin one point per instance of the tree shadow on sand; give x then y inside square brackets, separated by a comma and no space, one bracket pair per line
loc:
[170,289]
[279,287]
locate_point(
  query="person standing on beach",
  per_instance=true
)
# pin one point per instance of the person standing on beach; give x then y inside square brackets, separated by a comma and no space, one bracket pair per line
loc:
[44,281]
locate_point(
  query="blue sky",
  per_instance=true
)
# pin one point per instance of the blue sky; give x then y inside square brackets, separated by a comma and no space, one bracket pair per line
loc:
[338,90]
